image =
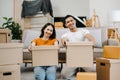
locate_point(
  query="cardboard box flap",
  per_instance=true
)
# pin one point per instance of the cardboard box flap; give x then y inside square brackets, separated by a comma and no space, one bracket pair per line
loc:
[83,43]
[11,45]
[51,47]
[5,31]
[102,60]
[107,60]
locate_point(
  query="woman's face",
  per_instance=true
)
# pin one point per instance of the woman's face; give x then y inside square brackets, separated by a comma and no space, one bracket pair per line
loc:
[48,31]
[70,23]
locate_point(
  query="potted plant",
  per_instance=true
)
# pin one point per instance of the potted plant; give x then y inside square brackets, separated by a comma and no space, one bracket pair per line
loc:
[15,28]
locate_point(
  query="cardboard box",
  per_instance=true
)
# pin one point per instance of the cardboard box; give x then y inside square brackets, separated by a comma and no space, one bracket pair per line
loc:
[108,69]
[5,36]
[10,72]
[44,55]
[112,52]
[11,53]
[86,76]
[58,24]
[79,54]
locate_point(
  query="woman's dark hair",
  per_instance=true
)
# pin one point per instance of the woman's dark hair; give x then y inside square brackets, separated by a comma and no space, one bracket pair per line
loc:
[43,28]
[64,21]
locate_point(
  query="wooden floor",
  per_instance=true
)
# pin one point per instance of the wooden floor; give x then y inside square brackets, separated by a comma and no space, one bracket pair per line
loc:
[28,74]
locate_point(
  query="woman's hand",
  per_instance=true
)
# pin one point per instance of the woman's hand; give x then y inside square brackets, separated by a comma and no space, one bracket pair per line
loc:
[30,47]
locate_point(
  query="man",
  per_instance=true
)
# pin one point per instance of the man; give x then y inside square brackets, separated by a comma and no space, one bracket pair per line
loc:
[74,35]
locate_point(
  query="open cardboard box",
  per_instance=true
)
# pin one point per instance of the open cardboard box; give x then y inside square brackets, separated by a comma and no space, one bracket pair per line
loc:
[45,55]
[79,54]
[11,53]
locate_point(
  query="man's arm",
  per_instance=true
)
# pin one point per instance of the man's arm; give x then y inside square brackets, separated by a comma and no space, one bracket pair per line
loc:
[64,40]
[90,38]
[30,46]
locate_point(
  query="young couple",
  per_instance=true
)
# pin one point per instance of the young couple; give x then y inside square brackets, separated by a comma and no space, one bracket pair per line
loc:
[48,37]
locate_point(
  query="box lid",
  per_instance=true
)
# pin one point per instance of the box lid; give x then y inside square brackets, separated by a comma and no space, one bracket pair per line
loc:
[50,47]
[10,45]
[107,60]
[5,31]
[79,43]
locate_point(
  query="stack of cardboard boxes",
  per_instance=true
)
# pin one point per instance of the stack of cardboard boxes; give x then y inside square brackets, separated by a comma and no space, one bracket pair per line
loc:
[108,67]
[10,59]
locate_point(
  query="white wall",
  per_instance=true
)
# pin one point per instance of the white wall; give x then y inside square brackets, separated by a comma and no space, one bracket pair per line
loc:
[103,9]
[6,9]
[73,7]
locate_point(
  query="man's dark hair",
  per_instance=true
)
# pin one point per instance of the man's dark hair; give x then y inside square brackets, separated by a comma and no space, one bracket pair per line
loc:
[78,24]
[64,21]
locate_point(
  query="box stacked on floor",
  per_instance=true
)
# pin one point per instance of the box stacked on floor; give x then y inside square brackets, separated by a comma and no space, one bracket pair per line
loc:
[108,67]
[10,59]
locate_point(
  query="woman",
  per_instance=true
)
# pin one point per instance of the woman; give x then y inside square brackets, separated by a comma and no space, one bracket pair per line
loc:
[47,37]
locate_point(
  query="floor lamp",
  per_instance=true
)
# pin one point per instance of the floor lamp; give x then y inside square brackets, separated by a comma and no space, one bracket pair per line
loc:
[115,18]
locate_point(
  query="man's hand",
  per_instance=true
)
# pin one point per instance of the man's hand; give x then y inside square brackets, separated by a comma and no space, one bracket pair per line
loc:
[64,40]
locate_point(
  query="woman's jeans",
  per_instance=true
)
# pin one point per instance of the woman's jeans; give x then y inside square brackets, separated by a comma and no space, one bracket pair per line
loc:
[45,73]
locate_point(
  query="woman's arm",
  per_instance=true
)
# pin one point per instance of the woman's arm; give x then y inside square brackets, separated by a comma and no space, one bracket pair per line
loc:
[56,43]
[30,47]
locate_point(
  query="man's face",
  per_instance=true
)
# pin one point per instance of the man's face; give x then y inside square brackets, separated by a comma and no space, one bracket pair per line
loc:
[70,23]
